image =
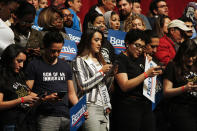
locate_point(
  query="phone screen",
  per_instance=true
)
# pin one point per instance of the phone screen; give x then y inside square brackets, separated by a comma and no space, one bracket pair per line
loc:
[159,68]
[195,82]
[61,94]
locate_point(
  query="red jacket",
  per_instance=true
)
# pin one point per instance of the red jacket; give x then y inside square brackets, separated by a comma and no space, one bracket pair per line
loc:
[165,50]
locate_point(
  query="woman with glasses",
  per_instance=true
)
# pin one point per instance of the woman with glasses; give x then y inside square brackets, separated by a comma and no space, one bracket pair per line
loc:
[50,19]
[132,110]
[180,86]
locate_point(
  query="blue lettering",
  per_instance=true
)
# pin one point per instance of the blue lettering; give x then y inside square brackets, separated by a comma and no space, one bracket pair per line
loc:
[149,86]
[149,83]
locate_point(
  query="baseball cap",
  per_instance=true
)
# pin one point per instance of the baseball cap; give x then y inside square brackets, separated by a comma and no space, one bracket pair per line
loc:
[179,24]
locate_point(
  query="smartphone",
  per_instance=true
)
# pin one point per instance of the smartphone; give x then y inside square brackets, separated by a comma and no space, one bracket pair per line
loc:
[61,94]
[195,82]
[157,69]
[42,95]
[110,72]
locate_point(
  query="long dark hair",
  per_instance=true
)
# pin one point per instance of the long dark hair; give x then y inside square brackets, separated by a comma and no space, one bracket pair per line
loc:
[93,17]
[6,62]
[159,24]
[84,45]
[186,50]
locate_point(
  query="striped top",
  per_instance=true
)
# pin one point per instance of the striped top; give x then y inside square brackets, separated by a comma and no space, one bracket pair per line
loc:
[89,78]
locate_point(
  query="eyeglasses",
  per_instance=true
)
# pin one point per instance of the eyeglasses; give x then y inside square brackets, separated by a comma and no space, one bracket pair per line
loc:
[70,15]
[154,46]
[139,46]
[163,6]
[57,18]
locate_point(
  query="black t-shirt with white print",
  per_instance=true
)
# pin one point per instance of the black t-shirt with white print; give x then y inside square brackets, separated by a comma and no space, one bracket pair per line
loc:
[184,98]
[13,89]
[50,79]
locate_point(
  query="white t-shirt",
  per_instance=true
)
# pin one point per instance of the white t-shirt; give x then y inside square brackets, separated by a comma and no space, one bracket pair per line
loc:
[6,36]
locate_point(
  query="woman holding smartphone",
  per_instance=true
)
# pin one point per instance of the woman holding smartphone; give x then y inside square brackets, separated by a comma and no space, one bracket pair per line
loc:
[91,69]
[132,110]
[179,84]
[15,96]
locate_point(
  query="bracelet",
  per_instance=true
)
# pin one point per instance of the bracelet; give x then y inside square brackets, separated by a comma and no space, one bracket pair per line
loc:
[145,75]
[22,99]
[101,72]
[183,88]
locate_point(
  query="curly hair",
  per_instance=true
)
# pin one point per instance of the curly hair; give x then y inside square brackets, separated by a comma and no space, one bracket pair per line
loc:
[128,25]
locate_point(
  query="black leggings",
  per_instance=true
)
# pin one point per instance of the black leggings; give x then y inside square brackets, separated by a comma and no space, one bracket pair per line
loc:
[132,115]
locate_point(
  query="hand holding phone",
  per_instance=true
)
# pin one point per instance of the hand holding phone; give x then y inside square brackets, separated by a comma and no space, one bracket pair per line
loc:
[159,68]
[153,71]
[195,82]
[61,94]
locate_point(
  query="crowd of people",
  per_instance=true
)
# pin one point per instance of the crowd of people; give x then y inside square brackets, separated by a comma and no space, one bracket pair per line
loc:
[37,87]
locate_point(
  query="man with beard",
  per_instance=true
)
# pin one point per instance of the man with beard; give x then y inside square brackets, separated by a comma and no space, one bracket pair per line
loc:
[169,44]
[52,76]
[74,7]
[157,8]
[125,10]
[67,18]
[189,24]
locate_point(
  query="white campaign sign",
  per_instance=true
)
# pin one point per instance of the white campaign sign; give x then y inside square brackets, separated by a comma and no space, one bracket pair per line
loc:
[150,82]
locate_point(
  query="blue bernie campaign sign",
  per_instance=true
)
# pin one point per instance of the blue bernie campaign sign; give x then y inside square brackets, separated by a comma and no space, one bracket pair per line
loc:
[158,92]
[36,27]
[77,114]
[74,35]
[69,50]
[116,38]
